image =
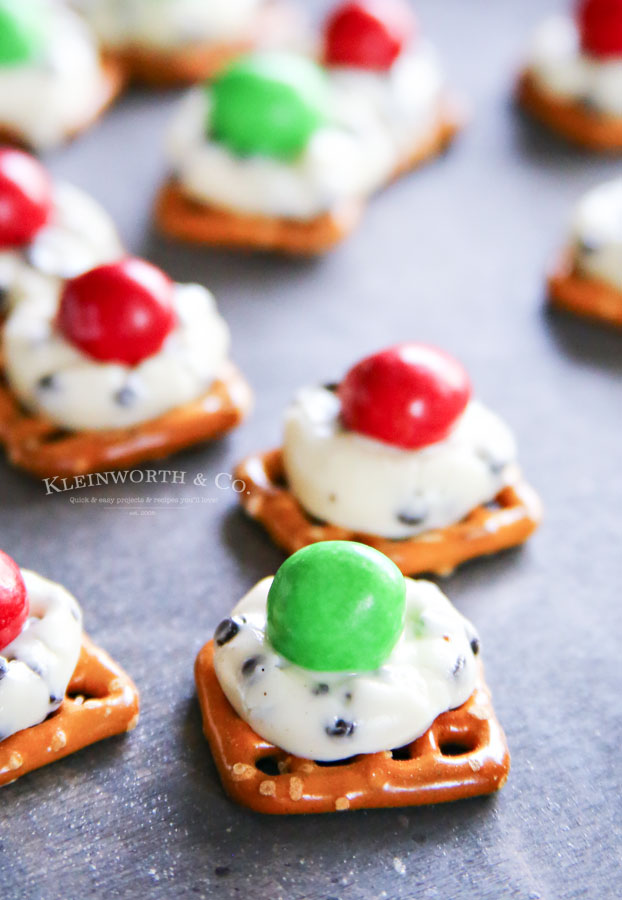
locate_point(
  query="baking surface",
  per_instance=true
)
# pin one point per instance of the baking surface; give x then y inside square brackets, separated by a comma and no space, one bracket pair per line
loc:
[453,255]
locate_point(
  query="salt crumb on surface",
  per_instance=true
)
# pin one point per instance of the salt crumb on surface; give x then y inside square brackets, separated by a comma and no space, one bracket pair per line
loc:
[399,866]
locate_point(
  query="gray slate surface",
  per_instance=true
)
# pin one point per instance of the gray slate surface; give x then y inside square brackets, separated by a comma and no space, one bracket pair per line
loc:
[452,255]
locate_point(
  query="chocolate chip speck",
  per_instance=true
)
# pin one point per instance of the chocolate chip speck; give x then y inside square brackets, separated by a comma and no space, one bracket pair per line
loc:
[495,465]
[332,386]
[408,518]
[126,396]
[340,728]
[249,665]
[588,103]
[47,383]
[320,688]
[475,644]
[587,246]
[226,631]
[348,696]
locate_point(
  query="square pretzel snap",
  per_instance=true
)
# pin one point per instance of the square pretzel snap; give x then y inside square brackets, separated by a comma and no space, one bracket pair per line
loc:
[101,700]
[588,297]
[571,119]
[35,444]
[509,521]
[463,754]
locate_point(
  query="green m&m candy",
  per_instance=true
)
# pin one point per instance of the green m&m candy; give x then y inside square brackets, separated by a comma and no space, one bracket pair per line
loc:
[268,104]
[22,30]
[336,606]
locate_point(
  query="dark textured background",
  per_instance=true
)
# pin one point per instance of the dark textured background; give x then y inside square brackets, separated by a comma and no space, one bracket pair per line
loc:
[452,255]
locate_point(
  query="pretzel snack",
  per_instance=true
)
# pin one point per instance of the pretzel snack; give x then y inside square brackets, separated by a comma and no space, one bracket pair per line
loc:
[192,63]
[101,700]
[183,218]
[37,445]
[583,295]
[113,83]
[463,754]
[571,119]
[484,530]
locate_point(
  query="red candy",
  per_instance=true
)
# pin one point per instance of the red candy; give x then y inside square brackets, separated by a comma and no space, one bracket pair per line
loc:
[25,197]
[409,395]
[121,312]
[369,34]
[600,25]
[13,600]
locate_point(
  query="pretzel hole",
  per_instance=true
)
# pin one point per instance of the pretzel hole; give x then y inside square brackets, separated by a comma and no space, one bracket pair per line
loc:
[457,747]
[89,692]
[313,520]
[56,436]
[279,480]
[269,765]
[402,753]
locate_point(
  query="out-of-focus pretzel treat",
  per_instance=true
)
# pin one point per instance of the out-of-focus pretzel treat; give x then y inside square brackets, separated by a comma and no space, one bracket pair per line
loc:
[398,456]
[572,81]
[116,366]
[180,42]
[340,684]
[282,153]
[587,279]
[54,81]
[58,691]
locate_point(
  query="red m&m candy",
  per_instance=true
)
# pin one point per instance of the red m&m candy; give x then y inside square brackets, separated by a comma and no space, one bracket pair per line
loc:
[120,312]
[13,600]
[600,26]
[409,395]
[369,34]
[25,197]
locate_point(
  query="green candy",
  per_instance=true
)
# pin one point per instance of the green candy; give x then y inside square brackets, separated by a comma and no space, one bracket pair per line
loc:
[22,31]
[268,104]
[336,606]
